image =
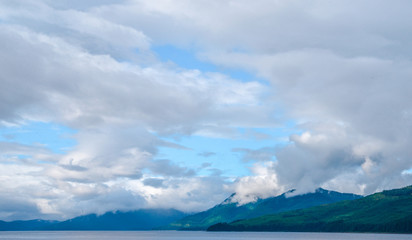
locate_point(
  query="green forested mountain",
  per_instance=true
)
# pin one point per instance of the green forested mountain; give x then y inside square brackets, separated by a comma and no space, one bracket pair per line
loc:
[229,210]
[387,211]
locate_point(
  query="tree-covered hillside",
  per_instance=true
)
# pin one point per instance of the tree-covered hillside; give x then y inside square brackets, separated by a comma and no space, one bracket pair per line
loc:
[229,210]
[387,211]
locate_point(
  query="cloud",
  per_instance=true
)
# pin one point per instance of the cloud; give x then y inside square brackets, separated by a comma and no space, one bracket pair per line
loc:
[16,208]
[153,182]
[97,89]
[271,26]
[206,154]
[23,189]
[256,135]
[263,183]
[354,117]
[117,108]
[338,71]
[190,194]
[79,199]
[264,154]
[167,168]
[173,145]
[349,97]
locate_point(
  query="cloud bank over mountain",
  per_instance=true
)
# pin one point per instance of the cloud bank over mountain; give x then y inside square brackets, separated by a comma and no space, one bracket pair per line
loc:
[329,102]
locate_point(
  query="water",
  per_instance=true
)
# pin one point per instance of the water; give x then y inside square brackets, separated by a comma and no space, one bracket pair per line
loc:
[175,235]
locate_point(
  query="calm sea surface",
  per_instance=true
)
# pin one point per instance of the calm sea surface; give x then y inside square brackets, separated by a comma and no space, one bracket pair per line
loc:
[177,235]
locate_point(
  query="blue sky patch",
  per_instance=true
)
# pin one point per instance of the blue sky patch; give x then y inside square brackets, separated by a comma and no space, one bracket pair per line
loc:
[54,137]
[221,153]
[187,59]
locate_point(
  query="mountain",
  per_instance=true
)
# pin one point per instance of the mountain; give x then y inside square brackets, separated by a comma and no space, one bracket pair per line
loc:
[229,210]
[143,219]
[387,211]
[28,225]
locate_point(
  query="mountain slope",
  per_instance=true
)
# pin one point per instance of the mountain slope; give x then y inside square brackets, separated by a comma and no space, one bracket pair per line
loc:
[387,211]
[229,211]
[28,225]
[143,219]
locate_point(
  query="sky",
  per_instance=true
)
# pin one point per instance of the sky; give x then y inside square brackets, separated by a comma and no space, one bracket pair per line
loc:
[121,105]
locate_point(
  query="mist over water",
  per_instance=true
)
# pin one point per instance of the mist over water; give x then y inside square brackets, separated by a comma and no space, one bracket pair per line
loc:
[179,235]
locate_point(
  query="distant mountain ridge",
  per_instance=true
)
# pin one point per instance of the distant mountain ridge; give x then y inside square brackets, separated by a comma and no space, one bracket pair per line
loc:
[388,212]
[143,219]
[229,211]
[25,225]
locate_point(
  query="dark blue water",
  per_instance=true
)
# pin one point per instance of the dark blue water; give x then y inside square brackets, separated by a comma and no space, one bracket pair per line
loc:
[176,235]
